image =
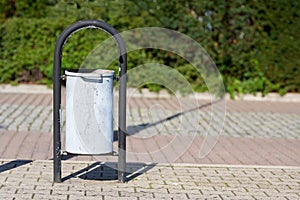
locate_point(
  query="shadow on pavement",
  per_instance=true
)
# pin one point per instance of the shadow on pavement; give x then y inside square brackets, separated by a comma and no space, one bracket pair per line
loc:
[131,130]
[2,127]
[108,171]
[13,164]
[67,157]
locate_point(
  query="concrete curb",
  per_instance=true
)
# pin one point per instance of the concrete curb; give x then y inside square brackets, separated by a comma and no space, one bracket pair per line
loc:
[132,92]
[25,88]
[274,97]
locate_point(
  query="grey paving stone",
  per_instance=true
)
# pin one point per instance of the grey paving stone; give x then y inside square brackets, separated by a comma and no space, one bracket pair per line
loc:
[161,182]
[263,125]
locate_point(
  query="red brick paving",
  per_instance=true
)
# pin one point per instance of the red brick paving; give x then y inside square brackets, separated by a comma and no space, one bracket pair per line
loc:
[228,150]
[263,106]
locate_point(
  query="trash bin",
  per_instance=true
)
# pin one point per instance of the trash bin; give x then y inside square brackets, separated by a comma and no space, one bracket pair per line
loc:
[89,111]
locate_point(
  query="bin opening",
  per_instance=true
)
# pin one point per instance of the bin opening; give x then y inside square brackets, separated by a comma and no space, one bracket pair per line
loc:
[89,73]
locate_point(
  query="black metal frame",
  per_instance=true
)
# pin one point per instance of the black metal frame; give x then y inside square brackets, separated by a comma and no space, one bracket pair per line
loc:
[57,151]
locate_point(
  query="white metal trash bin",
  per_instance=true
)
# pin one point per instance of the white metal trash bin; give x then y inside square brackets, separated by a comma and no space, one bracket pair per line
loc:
[89,111]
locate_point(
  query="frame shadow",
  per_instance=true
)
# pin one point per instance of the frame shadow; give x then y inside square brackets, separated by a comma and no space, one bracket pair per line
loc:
[108,171]
[13,164]
[132,130]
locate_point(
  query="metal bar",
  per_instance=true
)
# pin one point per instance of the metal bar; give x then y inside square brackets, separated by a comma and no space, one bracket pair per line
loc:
[122,122]
[57,94]
[56,112]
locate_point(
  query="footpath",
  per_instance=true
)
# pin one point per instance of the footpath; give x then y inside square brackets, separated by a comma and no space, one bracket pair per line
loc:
[175,150]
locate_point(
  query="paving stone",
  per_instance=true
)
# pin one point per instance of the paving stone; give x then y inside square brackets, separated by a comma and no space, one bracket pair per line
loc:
[17,185]
[254,133]
[237,124]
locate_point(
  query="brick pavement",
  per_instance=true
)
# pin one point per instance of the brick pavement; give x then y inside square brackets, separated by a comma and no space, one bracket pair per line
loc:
[254,133]
[257,156]
[95,180]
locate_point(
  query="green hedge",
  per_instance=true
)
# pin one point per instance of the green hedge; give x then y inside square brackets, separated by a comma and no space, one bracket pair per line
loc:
[254,44]
[28,46]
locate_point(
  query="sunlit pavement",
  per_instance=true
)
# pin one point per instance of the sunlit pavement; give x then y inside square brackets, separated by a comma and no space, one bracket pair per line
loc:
[255,156]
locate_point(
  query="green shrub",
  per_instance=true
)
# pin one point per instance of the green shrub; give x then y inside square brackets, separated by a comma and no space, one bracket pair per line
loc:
[28,52]
[254,44]
[27,46]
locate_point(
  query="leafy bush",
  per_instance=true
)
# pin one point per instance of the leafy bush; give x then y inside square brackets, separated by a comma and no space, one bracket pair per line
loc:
[254,44]
[27,46]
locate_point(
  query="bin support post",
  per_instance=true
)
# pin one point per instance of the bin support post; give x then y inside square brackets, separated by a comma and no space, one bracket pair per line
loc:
[57,117]
[122,126]
[57,151]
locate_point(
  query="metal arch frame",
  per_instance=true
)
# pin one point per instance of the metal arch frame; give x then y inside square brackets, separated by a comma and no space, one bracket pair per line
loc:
[57,152]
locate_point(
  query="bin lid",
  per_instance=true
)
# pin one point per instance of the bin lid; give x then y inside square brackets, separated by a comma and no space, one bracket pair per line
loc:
[90,73]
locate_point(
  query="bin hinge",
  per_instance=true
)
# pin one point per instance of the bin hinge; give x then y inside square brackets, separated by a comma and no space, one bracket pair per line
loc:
[63,77]
[63,153]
